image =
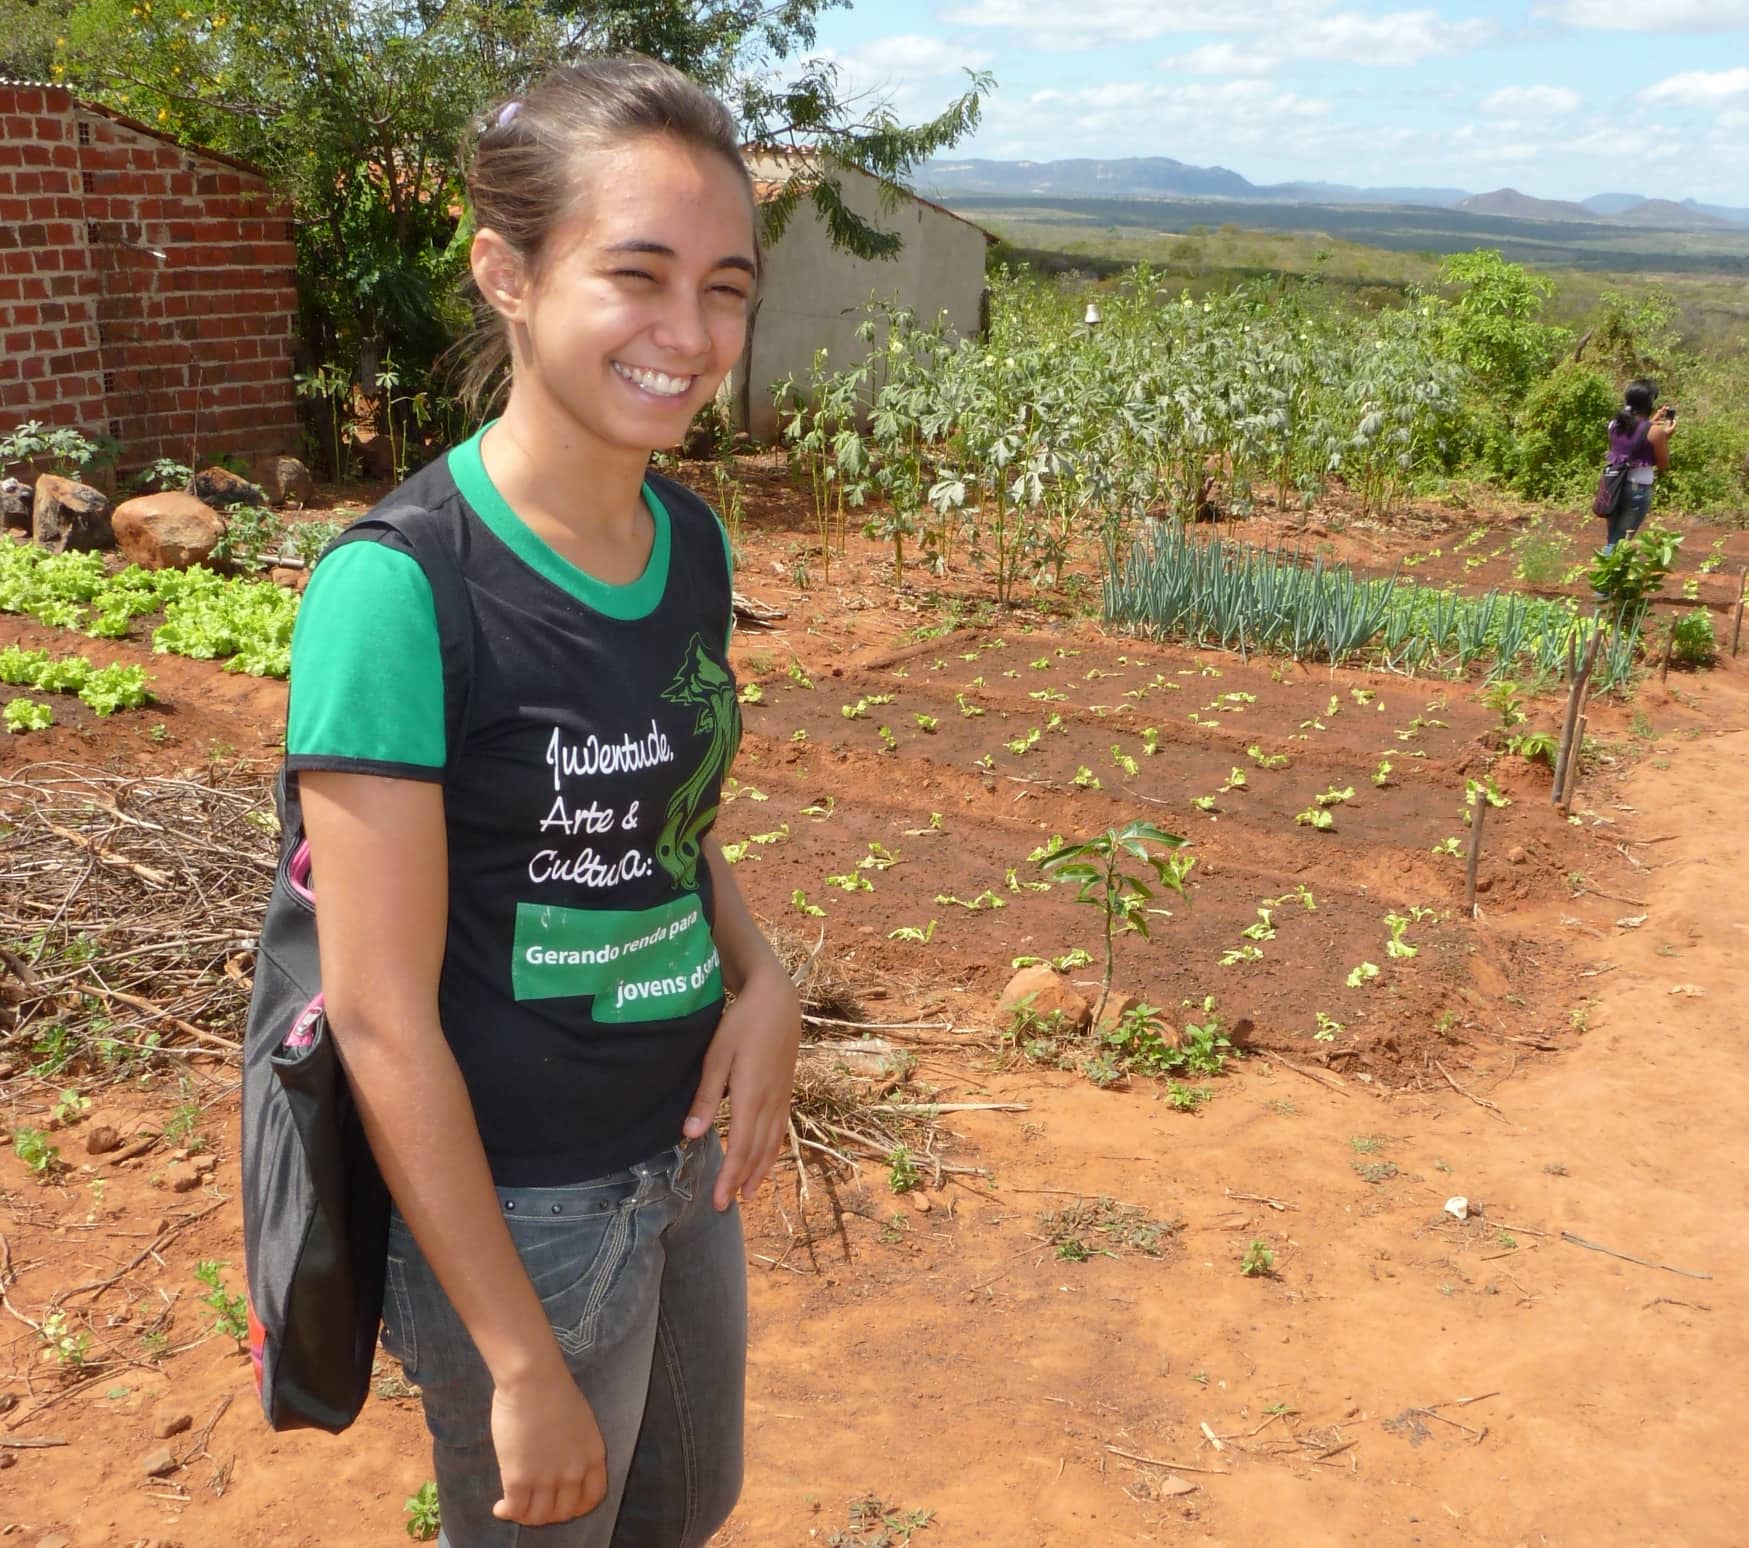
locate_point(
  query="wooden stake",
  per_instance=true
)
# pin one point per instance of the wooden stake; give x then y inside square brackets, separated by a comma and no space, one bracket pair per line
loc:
[1669,649]
[1478,809]
[1573,762]
[1742,592]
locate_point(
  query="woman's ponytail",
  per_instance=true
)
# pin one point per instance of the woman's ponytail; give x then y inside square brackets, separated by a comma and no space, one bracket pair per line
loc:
[1637,403]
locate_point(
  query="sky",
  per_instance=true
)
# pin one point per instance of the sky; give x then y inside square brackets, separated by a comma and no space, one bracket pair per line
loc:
[1560,99]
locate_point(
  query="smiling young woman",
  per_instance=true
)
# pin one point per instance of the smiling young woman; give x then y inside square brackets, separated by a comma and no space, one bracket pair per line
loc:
[526,928]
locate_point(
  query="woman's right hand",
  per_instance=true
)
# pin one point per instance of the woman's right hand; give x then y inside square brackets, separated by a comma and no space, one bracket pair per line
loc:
[552,1464]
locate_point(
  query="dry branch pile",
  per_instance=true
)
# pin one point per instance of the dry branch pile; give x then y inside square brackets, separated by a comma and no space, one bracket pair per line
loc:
[128,909]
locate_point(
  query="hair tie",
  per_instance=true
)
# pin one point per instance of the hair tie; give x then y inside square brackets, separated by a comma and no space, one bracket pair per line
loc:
[507,113]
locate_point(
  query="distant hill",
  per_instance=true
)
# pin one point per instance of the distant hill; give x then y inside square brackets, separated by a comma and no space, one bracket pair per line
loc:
[1151,177]
[1162,177]
[1516,206]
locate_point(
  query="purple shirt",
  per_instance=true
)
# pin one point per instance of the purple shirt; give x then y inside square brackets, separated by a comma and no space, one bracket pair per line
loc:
[1634,448]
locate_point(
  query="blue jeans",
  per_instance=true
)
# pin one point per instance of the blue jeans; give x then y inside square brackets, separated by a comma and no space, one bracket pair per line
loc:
[645,1285]
[1630,511]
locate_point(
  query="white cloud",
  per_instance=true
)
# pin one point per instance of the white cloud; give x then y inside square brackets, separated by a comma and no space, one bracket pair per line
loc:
[1294,29]
[1221,59]
[1735,119]
[1641,16]
[1532,101]
[910,53]
[1699,88]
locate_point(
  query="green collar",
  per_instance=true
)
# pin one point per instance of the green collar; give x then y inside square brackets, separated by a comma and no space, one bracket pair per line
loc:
[634,600]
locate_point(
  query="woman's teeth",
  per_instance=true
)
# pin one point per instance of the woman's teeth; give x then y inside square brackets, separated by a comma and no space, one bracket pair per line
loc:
[657,382]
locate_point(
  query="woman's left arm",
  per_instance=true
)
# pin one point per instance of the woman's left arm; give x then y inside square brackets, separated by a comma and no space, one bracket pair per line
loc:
[752,1058]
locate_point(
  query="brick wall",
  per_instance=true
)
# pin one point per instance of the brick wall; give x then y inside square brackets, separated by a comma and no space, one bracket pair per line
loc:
[146,289]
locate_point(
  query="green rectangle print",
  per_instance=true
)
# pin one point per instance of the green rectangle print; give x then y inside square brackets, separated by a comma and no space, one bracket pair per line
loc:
[656,964]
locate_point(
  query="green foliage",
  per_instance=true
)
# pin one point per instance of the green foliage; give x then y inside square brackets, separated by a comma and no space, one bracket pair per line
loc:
[164,473]
[230,1312]
[251,533]
[1258,1261]
[1635,568]
[423,1516]
[1486,313]
[27,715]
[902,1173]
[32,1147]
[1695,643]
[1559,432]
[1100,869]
[59,448]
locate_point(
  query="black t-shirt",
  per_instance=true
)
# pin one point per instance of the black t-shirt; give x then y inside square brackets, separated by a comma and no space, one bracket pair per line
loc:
[580,981]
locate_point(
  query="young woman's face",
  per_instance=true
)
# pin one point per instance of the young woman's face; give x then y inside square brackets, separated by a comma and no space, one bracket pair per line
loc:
[641,303]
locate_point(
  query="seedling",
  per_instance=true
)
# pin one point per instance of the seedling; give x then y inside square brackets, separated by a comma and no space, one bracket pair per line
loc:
[1074,957]
[1482,790]
[1047,696]
[1504,699]
[1203,803]
[230,1312]
[1097,868]
[32,1147]
[1316,817]
[27,715]
[1234,955]
[69,1106]
[1396,946]
[1150,740]
[751,693]
[878,858]
[911,933]
[1021,745]
[902,1173]
[822,808]
[1264,929]
[799,901]
[1365,973]
[1265,760]
[984,900]
[1235,781]
[925,723]
[70,1349]
[1449,846]
[1124,761]
[423,1516]
[969,710]
[856,711]
[934,829]
[1085,779]
[1381,776]
[1012,881]
[1335,797]
[1186,1099]
[1328,1027]
[1259,1260]
[889,742]
[850,881]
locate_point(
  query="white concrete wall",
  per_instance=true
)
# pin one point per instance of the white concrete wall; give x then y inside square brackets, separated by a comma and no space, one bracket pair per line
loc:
[814,294]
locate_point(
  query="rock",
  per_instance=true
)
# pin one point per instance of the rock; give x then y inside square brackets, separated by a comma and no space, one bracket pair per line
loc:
[7,1458]
[1484,883]
[1517,855]
[283,480]
[1117,1006]
[158,1463]
[222,487]
[1045,993]
[167,531]
[182,1177]
[920,1203]
[68,515]
[206,1163]
[55,1540]
[292,577]
[170,1421]
[15,504]
[102,1139]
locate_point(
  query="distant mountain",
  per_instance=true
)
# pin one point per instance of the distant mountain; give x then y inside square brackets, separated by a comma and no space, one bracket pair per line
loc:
[1516,206]
[1151,177]
[1161,177]
[1671,216]
[1612,203]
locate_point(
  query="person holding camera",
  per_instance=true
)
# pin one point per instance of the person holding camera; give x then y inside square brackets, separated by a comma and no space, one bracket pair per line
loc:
[1639,439]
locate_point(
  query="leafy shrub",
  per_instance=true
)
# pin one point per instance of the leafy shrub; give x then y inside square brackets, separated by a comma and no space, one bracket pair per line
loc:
[1635,569]
[1562,431]
[1695,643]
[63,448]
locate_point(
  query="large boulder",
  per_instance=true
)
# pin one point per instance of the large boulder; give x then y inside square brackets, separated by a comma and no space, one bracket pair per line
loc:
[1043,992]
[221,487]
[65,514]
[167,531]
[14,505]
[283,480]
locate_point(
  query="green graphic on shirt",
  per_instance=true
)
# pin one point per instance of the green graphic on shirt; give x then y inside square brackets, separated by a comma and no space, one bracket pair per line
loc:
[702,683]
[653,964]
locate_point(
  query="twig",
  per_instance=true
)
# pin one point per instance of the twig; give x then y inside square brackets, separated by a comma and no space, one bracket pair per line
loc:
[1481,1434]
[1628,1257]
[1176,1467]
[930,1109]
[187,1028]
[1667,1300]
[1258,1198]
[96,1287]
[110,856]
[1323,1080]
[1481,1102]
[879,1026]
[1214,1440]
[1324,1456]
[32,1442]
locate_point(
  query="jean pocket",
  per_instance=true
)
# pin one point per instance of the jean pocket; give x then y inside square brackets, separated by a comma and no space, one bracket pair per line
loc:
[575,1263]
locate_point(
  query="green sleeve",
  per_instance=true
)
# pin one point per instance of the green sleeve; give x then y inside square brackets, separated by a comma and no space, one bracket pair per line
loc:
[367,668]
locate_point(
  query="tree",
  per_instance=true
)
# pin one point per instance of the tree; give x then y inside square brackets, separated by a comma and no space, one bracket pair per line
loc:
[356,108]
[1486,311]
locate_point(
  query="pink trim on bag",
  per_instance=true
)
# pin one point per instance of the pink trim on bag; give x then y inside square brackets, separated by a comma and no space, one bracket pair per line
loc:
[303,1030]
[297,873]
